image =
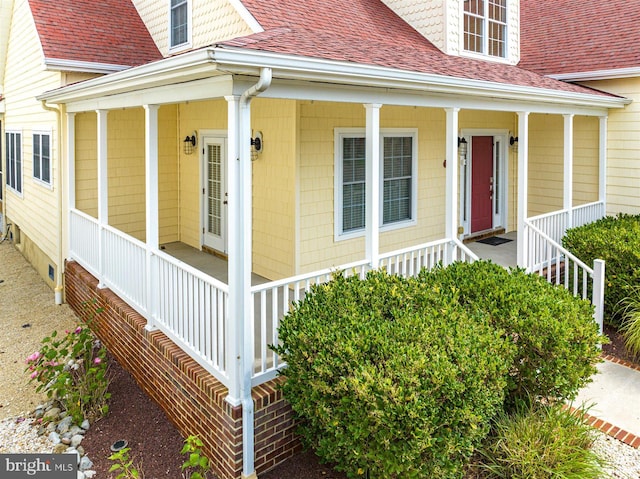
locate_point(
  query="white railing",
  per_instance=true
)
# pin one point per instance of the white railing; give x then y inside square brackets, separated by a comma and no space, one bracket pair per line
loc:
[189,306]
[125,267]
[84,234]
[271,301]
[556,223]
[549,259]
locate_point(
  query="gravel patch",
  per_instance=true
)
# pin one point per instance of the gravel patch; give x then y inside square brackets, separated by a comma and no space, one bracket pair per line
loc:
[28,313]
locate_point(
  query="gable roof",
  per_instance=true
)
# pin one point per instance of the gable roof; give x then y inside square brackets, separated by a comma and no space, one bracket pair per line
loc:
[106,32]
[368,32]
[563,36]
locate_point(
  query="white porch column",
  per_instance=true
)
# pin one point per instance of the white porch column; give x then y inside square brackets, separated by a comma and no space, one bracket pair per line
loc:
[71,176]
[602,189]
[523,184]
[103,190]
[151,209]
[567,201]
[451,193]
[234,326]
[373,183]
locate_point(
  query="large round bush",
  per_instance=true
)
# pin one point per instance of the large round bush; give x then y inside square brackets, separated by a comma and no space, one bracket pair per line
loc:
[554,333]
[393,377]
[616,240]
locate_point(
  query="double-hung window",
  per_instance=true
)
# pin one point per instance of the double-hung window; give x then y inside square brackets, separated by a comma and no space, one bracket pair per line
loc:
[397,182]
[179,23]
[485,27]
[42,157]
[14,160]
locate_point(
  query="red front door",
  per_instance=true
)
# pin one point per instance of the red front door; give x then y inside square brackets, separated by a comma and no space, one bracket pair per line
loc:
[481,183]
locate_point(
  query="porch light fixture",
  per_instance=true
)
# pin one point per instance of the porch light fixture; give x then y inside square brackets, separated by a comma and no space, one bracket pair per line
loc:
[189,143]
[257,145]
[462,146]
[513,142]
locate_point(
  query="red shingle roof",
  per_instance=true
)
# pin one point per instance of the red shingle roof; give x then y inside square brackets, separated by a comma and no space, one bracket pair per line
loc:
[98,31]
[565,36]
[368,32]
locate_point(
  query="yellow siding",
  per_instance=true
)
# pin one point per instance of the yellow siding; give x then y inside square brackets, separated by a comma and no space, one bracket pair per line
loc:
[623,147]
[318,249]
[195,116]
[586,159]
[546,163]
[212,22]
[86,170]
[74,77]
[168,174]
[36,211]
[274,188]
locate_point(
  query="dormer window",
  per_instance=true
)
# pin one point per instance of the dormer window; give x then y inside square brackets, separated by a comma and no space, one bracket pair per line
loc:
[179,23]
[485,27]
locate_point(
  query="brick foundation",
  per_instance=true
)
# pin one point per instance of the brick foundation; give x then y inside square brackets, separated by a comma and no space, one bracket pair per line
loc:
[191,398]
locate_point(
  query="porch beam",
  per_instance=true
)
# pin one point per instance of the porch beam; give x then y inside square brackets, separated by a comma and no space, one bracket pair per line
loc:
[523,185]
[451,165]
[372,138]
[151,208]
[602,179]
[567,200]
[103,189]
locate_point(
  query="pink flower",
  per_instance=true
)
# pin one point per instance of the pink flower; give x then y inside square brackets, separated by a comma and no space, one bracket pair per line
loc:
[34,357]
[78,329]
[97,361]
[34,375]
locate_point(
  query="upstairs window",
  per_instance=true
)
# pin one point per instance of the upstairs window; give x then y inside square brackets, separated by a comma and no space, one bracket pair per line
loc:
[42,157]
[179,23]
[14,161]
[485,27]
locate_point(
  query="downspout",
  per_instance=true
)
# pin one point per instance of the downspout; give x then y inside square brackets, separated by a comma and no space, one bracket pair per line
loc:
[248,467]
[59,288]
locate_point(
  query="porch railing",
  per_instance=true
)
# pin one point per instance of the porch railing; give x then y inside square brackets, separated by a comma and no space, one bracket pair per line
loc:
[189,306]
[272,300]
[547,258]
[556,223]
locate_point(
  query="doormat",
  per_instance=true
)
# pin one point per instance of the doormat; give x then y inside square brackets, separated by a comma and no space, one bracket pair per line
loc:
[494,240]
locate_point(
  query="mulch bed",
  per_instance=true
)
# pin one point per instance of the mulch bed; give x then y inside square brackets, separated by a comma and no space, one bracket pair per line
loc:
[155,443]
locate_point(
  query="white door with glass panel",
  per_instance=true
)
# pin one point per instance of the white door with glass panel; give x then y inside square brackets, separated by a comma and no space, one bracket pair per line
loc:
[214,193]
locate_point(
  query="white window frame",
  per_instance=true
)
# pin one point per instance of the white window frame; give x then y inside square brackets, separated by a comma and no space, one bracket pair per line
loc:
[10,171]
[42,133]
[339,135]
[186,44]
[485,33]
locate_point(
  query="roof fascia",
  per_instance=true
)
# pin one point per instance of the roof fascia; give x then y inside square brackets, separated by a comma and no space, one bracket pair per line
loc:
[598,74]
[58,64]
[246,15]
[314,69]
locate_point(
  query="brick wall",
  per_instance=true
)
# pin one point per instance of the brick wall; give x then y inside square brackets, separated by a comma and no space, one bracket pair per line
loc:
[192,399]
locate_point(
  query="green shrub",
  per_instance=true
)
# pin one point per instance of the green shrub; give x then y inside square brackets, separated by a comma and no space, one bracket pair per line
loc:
[616,240]
[540,442]
[630,313]
[391,378]
[553,332]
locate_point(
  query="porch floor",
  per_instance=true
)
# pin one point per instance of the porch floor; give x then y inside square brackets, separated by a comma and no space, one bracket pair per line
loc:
[210,264]
[504,254]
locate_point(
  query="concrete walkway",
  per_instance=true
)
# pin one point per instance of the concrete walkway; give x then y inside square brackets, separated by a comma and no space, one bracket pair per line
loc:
[613,400]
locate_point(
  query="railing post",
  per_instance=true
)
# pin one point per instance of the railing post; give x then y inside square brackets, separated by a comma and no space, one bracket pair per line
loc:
[598,292]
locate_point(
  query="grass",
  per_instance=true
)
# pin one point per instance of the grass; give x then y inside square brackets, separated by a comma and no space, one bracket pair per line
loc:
[540,442]
[630,328]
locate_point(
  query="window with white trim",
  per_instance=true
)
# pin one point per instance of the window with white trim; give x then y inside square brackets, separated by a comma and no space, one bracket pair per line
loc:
[14,161]
[485,27]
[178,23]
[42,157]
[398,180]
